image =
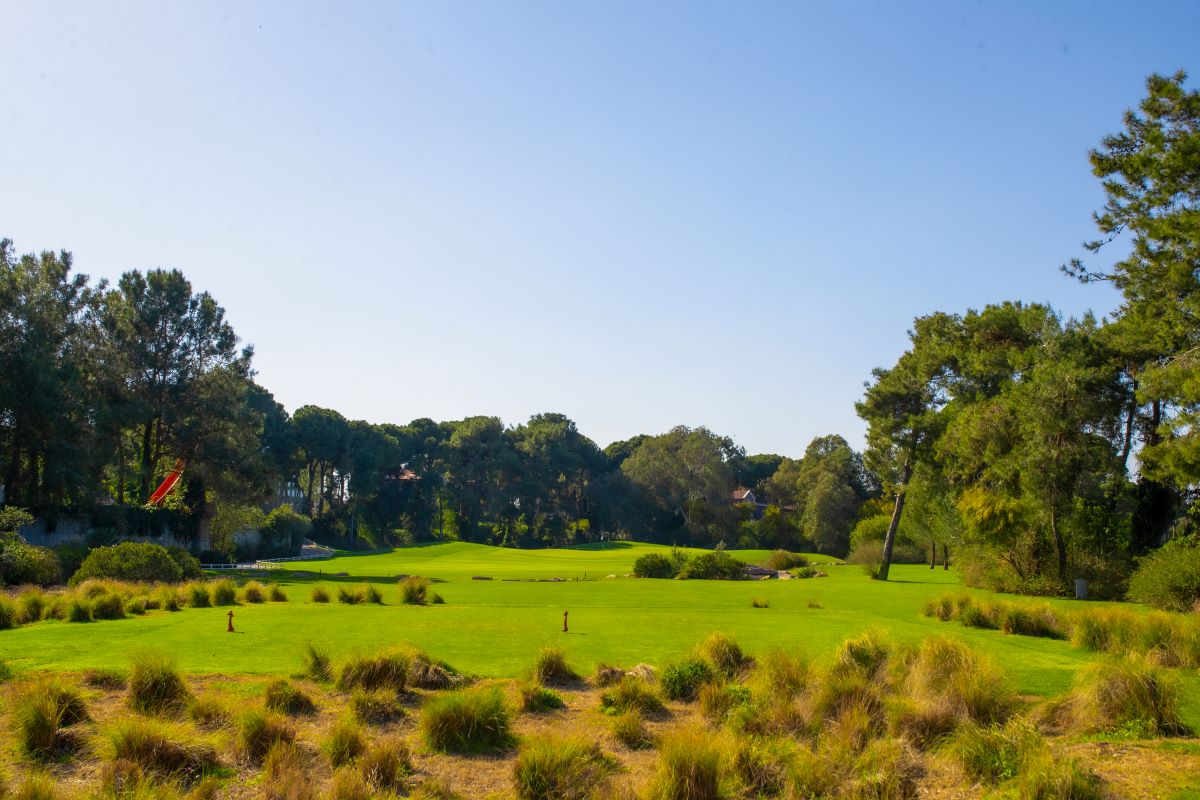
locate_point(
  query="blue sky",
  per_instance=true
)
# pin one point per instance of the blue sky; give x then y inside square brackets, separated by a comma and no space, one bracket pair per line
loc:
[639,215]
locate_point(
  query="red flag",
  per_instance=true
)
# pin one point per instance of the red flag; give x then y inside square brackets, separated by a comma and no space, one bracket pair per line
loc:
[168,484]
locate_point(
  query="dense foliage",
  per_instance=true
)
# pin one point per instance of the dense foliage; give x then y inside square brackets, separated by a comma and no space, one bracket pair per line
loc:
[131,561]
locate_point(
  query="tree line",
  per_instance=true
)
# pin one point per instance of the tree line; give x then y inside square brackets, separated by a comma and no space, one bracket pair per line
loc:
[1035,447]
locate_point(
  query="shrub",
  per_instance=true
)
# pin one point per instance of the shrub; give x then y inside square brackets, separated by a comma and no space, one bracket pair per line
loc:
[631,694]
[129,561]
[375,707]
[559,768]
[413,590]
[717,700]
[782,560]
[383,671]
[1169,578]
[1039,620]
[345,743]
[466,721]
[276,593]
[253,592]
[630,730]
[538,699]
[23,563]
[163,750]
[319,594]
[689,767]
[551,668]
[386,764]
[108,606]
[285,698]
[259,731]
[189,565]
[681,680]
[723,652]
[155,686]
[760,602]
[317,664]
[714,565]
[224,593]
[136,606]
[655,565]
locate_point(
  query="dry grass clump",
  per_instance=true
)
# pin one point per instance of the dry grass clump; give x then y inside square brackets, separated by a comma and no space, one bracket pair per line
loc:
[1126,696]
[40,715]
[414,590]
[282,696]
[112,680]
[886,768]
[155,686]
[276,593]
[689,767]
[718,700]
[630,730]
[994,753]
[9,616]
[723,652]
[198,595]
[36,787]
[434,789]
[631,694]
[560,768]
[167,598]
[254,592]
[537,699]
[287,773]
[348,784]
[345,743]
[1170,640]
[760,602]
[317,664]
[865,656]
[551,668]
[208,711]
[781,674]
[382,671]
[32,606]
[467,721]
[319,594]
[386,765]
[224,592]
[258,732]
[762,765]
[426,673]
[607,675]
[376,707]
[161,749]
[351,597]
[1054,776]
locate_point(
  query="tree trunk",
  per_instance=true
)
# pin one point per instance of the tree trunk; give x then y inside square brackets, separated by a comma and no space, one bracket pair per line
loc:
[147,466]
[945,556]
[932,555]
[889,541]
[1059,545]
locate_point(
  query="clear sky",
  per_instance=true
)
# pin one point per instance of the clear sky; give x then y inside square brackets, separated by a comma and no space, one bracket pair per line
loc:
[639,215]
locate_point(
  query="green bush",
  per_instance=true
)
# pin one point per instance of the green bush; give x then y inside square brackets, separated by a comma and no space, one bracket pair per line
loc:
[560,768]
[1129,697]
[283,533]
[22,563]
[784,560]
[129,561]
[1169,578]
[466,721]
[715,565]
[654,565]
[189,565]
[681,680]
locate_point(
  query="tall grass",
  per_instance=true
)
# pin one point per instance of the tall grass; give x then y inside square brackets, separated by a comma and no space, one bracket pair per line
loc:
[259,731]
[317,664]
[630,730]
[345,743]
[155,686]
[1128,696]
[254,592]
[414,590]
[551,668]
[282,696]
[224,592]
[376,707]
[386,764]
[762,765]
[689,767]
[467,721]
[319,594]
[631,694]
[161,749]
[995,753]
[276,593]
[724,653]
[537,699]
[382,671]
[287,773]
[559,768]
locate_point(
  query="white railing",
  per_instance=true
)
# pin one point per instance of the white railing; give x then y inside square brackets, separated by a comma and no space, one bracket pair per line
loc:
[277,563]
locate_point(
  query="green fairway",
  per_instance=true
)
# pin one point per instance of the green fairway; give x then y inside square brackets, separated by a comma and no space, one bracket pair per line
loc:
[494,627]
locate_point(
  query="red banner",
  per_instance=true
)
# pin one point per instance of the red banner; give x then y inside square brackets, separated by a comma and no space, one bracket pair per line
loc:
[167,485]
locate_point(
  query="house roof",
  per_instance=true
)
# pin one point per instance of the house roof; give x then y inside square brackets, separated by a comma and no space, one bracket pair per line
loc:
[741,494]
